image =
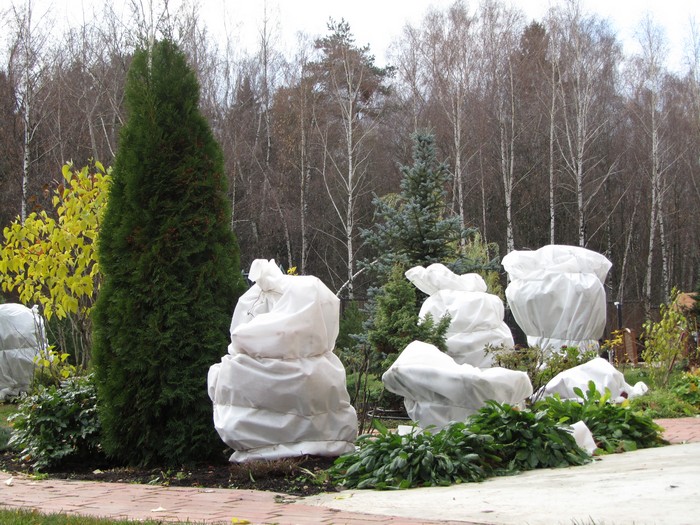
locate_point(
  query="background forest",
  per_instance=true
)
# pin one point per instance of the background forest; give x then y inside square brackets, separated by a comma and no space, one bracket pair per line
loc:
[551,133]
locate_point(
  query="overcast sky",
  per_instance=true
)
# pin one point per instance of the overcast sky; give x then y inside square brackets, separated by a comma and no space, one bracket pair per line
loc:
[379,22]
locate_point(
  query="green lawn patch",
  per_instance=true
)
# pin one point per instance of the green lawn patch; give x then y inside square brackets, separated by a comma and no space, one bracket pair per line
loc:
[29,517]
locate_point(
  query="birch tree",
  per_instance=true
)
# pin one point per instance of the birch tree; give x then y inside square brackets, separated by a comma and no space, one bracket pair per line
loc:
[450,56]
[649,75]
[354,88]
[293,127]
[585,64]
[27,68]
[500,28]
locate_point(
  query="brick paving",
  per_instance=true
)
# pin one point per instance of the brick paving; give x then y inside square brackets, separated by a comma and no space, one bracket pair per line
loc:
[178,504]
[215,506]
[681,430]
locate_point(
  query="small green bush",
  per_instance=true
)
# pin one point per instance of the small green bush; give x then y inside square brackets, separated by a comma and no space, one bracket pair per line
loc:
[615,428]
[528,439]
[57,424]
[390,461]
[664,342]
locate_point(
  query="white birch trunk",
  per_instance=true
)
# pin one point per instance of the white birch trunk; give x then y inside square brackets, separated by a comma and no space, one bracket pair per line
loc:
[552,108]
[457,143]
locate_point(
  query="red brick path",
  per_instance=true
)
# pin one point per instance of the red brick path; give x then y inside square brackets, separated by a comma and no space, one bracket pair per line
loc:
[178,504]
[681,430]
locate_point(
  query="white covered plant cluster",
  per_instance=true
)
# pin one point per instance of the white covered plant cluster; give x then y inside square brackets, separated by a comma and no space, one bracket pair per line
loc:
[22,339]
[557,297]
[438,388]
[280,391]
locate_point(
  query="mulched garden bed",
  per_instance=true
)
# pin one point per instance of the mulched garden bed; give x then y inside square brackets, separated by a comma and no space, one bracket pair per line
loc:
[302,476]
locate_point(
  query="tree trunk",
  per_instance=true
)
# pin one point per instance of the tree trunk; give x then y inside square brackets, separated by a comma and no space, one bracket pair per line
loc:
[552,107]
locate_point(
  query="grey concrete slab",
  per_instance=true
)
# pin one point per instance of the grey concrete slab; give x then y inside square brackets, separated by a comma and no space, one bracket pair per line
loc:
[651,486]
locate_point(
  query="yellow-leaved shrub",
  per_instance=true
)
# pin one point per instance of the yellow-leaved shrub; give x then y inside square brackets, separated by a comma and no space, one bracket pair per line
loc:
[51,258]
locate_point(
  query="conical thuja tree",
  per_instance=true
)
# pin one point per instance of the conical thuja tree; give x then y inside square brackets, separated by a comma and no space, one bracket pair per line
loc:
[171,271]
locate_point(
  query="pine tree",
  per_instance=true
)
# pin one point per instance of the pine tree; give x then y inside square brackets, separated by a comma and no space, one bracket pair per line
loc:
[171,271]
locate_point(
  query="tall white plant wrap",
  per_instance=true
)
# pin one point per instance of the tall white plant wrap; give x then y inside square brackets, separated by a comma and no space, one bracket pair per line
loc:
[281,391]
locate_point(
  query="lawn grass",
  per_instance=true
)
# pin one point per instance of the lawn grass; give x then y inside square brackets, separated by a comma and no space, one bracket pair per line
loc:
[633,374]
[6,410]
[27,517]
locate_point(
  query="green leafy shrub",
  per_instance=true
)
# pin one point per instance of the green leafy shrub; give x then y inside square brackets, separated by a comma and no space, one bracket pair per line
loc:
[687,387]
[540,366]
[615,428]
[498,440]
[388,460]
[57,424]
[527,439]
[664,342]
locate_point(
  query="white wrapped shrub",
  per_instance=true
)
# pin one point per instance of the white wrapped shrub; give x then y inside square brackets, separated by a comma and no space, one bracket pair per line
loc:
[280,391]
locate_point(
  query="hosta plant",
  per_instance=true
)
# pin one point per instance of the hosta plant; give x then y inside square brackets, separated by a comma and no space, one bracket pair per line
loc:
[528,439]
[615,428]
[388,460]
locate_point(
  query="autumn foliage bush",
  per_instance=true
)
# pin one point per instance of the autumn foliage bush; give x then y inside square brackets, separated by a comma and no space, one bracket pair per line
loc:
[51,258]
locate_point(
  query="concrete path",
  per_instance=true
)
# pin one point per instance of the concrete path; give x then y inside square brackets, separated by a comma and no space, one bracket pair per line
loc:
[654,486]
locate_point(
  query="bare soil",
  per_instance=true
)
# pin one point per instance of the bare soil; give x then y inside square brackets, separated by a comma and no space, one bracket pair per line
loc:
[302,476]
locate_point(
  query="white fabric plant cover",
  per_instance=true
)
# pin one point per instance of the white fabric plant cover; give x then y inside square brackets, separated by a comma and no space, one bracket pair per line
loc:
[437,390]
[556,295]
[21,339]
[476,316]
[602,373]
[280,391]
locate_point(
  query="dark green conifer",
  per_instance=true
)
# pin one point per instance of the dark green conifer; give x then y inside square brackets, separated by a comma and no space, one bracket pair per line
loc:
[171,271]
[396,322]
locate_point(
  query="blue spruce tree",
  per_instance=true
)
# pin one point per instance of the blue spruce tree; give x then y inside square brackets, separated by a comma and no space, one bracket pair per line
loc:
[416,227]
